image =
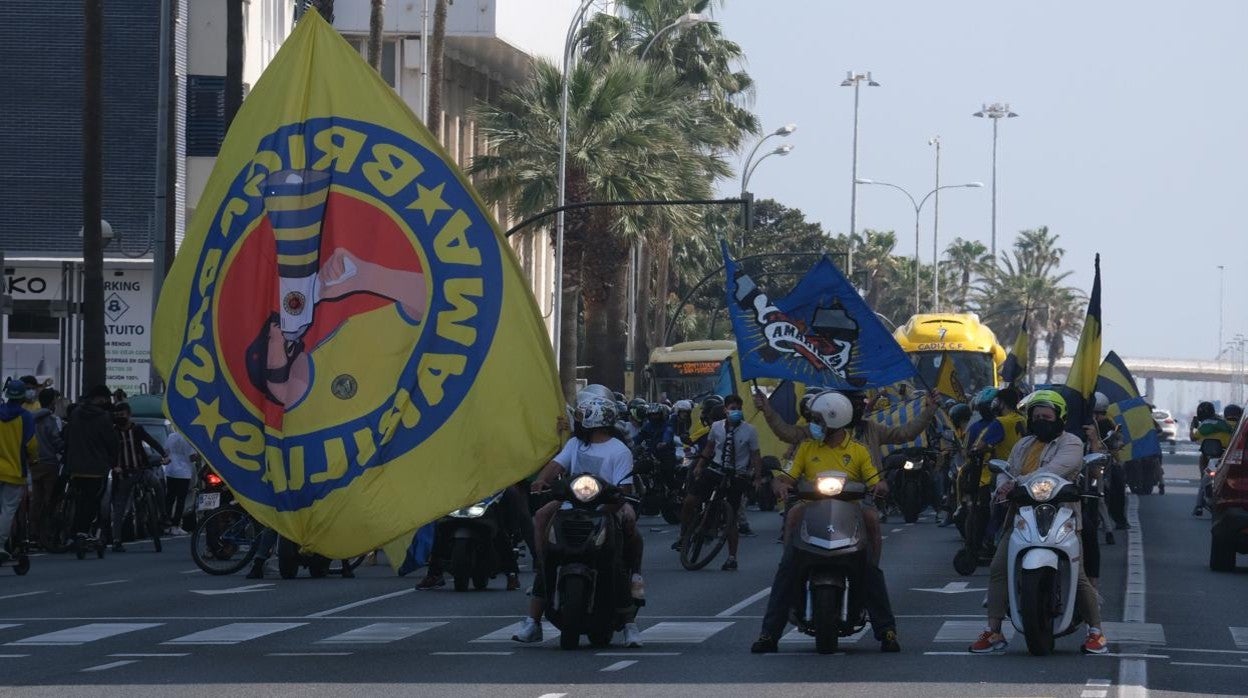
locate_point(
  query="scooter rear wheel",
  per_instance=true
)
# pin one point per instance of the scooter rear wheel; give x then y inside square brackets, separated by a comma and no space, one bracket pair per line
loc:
[573,601]
[461,563]
[965,562]
[827,616]
[1035,607]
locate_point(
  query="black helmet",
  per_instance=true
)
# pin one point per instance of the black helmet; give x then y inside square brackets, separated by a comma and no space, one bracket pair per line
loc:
[1232,413]
[1205,411]
[637,408]
[960,414]
[657,410]
[712,409]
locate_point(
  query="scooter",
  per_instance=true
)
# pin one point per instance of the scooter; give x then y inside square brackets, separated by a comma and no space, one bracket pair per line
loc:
[1044,553]
[471,538]
[1211,449]
[911,480]
[973,514]
[584,572]
[832,553]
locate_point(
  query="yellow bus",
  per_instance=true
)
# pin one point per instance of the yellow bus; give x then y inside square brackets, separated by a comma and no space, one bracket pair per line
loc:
[971,344]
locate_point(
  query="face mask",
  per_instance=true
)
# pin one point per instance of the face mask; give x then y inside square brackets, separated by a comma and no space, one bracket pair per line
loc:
[1044,430]
[816,432]
[30,395]
[735,416]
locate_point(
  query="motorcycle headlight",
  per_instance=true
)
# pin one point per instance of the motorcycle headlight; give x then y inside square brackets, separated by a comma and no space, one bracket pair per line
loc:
[910,465]
[475,510]
[585,488]
[1065,531]
[830,486]
[1043,488]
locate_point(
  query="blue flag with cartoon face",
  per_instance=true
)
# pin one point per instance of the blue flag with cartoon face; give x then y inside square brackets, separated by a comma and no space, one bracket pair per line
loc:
[821,333]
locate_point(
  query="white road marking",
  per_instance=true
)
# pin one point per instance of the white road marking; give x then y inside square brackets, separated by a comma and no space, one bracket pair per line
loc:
[247,589]
[1193,649]
[1102,693]
[952,588]
[1240,637]
[85,633]
[744,603]
[954,654]
[308,654]
[619,665]
[18,596]
[13,656]
[690,633]
[9,625]
[637,654]
[1133,673]
[897,530]
[552,695]
[967,630]
[147,655]
[549,632]
[362,602]
[232,633]
[471,654]
[378,633]
[194,571]
[111,581]
[1224,666]
[1132,655]
[111,665]
[796,635]
[1147,633]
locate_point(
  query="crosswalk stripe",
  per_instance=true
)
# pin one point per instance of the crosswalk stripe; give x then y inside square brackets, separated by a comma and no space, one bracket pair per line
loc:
[1240,636]
[1149,633]
[378,633]
[549,632]
[232,633]
[84,633]
[691,633]
[796,635]
[967,630]
[9,625]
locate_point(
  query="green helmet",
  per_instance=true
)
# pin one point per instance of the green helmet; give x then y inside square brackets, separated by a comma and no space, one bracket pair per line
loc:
[1046,398]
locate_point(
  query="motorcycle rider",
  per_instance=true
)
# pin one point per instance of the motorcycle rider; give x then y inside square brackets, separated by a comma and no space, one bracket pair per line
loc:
[732,450]
[1047,448]
[681,422]
[1208,425]
[953,445]
[868,432]
[593,450]
[831,442]
[1103,438]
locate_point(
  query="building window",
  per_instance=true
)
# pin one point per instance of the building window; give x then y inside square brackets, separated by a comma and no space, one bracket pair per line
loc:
[389,57]
[33,320]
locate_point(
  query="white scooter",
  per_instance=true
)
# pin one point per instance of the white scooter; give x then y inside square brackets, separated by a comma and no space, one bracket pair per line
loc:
[1045,553]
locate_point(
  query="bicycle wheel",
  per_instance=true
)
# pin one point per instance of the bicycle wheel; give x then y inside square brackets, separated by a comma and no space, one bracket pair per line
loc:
[151,517]
[59,528]
[708,537]
[225,541]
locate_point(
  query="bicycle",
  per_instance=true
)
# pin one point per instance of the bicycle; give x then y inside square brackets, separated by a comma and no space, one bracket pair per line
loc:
[148,521]
[57,533]
[712,518]
[225,540]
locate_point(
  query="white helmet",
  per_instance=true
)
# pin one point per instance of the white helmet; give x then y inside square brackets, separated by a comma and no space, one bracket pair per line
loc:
[592,391]
[596,413]
[833,408]
[1102,402]
[683,406]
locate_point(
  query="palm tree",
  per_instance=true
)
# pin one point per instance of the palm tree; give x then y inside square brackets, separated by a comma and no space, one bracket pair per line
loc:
[437,52]
[376,25]
[967,260]
[627,140]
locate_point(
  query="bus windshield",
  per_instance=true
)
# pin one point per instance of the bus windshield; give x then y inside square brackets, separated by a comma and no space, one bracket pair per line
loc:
[686,380]
[974,370]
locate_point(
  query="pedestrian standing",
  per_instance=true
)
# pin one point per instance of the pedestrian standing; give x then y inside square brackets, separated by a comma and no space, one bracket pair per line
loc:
[178,473]
[30,399]
[46,470]
[91,449]
[131,464]
[18,448]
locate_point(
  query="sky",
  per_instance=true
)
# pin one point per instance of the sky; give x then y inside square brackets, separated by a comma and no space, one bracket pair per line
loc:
[1131,140]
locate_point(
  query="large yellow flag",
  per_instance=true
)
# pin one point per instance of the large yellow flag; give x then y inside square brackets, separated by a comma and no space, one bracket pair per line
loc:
[947,381]
[346,336]
[1081,383]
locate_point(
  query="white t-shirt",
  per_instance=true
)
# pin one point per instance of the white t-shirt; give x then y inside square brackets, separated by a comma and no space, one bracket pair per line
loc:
[609,460]
[745,440]
[180,450]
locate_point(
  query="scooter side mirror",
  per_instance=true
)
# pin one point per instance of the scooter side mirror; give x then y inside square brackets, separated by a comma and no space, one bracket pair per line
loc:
[1095,458]
[998,466]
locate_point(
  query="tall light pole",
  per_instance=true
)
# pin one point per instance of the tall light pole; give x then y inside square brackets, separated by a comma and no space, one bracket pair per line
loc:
[935,140]
[918,208]
[995,111]
[783,150]
[684,21]
[783,132]
[1221,292]
[853,79]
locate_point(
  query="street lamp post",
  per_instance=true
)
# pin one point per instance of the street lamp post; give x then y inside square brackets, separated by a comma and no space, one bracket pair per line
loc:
[853,79]
[684,21]
[918,208]
[995,111]
[747,223]
[935,140]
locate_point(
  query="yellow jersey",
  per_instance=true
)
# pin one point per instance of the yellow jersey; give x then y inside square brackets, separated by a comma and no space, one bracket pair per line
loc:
[849,457]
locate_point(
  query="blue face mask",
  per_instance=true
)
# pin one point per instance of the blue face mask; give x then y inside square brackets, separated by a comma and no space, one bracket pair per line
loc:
[735,416]
[816,432]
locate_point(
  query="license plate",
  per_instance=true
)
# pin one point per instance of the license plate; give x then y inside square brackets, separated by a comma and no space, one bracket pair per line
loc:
[208,500]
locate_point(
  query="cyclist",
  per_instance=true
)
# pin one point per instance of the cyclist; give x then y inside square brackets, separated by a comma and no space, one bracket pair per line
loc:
[832,418]
[92,446]
[18,449]
[732,450]
[130,466]
[595,451]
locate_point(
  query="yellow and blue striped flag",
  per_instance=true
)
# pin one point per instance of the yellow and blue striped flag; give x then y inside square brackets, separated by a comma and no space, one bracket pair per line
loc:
[345,332]
[1128,409]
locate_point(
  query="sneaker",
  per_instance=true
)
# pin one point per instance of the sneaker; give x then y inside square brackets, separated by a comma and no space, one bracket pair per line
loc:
[765,644]
[889,643]
[989,643]
[347,572]
[632,635]
[678,545]
[4,556]
[730,565]
[1161,488]
[745,530]
[257,570]
[1198,511]
[530,631]
[637,587]
[513,582]
[947,522]
[431,581]
[119,548]
[1096,643]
